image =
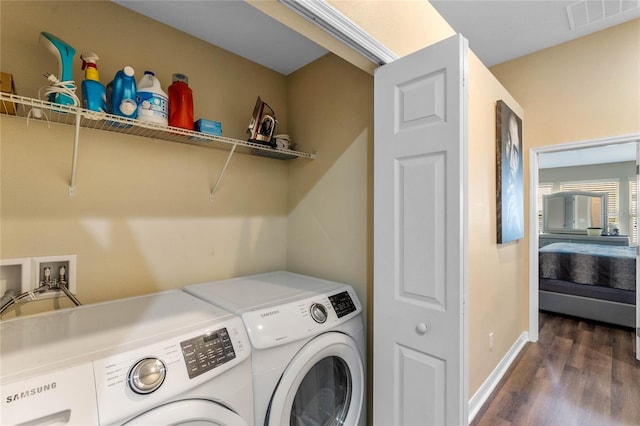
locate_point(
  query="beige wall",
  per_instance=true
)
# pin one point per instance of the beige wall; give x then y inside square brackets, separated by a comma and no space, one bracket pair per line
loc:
[330,103]
[403,26]
[141,220]
[583,89]
[497,294]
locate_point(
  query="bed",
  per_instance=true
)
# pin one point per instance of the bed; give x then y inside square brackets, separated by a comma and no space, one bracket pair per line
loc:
[591,281]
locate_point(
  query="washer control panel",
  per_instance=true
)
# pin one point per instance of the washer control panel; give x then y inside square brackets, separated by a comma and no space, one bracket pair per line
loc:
[207,351]
[148,372]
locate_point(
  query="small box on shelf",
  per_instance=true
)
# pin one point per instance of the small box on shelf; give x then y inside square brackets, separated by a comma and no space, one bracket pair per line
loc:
[7,85]
[209,127]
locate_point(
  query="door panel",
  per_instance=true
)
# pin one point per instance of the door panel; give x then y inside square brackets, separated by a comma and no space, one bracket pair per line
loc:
[419,238]
[423,388]
[420,187]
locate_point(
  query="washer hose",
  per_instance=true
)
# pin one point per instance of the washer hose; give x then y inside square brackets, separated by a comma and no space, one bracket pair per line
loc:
[8,299]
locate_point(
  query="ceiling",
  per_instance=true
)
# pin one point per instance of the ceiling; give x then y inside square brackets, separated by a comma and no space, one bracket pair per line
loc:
[501,30]
[497,30]
[236,26]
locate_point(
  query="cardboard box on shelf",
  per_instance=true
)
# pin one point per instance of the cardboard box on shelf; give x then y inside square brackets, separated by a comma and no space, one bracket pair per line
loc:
[7,85]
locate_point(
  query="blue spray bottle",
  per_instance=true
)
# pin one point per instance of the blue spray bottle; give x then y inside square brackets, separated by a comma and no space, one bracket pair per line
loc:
[94,97]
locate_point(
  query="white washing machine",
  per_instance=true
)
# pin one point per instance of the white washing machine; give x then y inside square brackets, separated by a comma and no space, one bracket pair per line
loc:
[308,343]
[161,359]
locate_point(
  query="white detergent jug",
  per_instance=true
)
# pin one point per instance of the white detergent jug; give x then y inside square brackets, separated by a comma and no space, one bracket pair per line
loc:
[153,103]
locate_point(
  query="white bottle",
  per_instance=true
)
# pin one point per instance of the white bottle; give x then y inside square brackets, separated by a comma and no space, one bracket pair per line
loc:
[153,103]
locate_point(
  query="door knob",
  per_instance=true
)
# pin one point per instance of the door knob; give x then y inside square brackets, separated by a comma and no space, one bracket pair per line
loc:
[421,328]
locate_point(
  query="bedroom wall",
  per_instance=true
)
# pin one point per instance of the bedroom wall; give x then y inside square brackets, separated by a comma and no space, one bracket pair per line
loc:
[622,171]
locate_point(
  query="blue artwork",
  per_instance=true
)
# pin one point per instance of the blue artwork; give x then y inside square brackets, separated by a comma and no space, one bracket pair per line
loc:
[510,191]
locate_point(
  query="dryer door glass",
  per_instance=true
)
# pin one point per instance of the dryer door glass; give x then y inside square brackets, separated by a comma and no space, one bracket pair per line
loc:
[324,395]
[323,385]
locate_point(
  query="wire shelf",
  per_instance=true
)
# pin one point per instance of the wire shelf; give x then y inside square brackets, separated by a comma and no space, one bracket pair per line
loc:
[35,109]
[29,109]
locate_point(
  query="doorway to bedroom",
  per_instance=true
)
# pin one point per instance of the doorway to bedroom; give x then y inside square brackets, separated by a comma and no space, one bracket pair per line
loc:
[560,211]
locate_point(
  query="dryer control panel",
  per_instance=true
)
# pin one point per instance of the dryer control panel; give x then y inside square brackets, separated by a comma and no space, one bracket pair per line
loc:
[288,322]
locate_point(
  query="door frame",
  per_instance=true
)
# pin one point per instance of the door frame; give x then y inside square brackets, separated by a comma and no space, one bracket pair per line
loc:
[533,214]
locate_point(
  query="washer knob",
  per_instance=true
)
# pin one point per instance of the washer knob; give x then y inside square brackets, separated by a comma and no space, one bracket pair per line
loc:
[318,313]
[147,375]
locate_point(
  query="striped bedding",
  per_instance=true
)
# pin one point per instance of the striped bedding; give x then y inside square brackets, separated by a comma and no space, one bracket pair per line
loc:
[589,264]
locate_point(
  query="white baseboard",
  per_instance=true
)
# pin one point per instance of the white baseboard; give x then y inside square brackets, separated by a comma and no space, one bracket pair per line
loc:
[481,396]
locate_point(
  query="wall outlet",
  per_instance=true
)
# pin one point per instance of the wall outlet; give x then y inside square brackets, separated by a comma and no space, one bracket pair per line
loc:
[492,341]
[53,270]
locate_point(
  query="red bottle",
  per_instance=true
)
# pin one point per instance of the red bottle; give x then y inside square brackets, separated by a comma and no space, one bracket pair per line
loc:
[180,102]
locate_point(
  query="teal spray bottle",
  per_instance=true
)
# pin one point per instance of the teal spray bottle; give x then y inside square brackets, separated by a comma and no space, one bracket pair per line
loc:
[93,92]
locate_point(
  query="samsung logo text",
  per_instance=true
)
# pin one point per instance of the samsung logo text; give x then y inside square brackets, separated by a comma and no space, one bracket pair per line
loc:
[30,392]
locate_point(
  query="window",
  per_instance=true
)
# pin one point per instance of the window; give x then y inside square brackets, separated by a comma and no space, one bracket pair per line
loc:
[543,189]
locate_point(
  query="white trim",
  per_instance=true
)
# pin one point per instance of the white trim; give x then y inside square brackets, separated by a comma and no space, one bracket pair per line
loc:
[485,390]
[632,137]
[637,258]
[341,27]
[533,245]
[534,305]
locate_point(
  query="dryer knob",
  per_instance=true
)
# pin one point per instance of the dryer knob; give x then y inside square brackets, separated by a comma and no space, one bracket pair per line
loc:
[147,375]
[318,313]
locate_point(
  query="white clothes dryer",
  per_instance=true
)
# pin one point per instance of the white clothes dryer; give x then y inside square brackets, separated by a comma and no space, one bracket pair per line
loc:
[308,346]
[161,359]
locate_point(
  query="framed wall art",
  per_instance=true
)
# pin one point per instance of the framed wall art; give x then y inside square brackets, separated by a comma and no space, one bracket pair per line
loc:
[509,180]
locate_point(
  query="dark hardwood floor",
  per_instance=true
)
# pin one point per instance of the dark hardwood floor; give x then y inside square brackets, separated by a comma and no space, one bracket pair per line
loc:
[578,373]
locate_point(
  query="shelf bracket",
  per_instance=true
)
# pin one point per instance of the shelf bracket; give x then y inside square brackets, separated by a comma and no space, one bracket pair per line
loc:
[74,160]
[224,168]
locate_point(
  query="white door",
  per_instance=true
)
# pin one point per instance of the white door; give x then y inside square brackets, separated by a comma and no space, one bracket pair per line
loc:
[420,221]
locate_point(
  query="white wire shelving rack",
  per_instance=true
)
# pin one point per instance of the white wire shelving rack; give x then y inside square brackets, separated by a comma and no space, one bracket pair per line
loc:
[36,109]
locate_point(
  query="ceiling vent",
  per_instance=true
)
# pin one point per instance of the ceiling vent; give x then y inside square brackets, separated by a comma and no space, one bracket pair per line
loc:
[590,11]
